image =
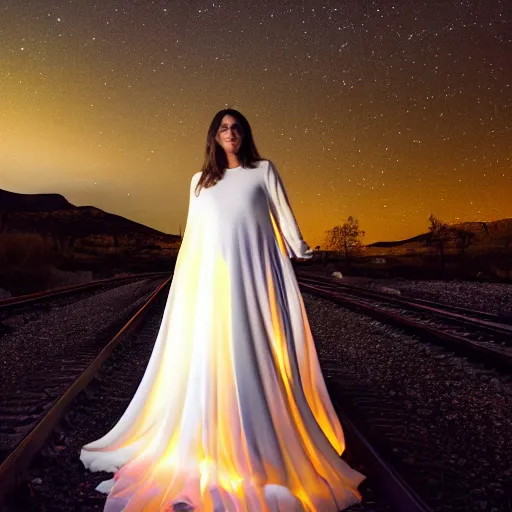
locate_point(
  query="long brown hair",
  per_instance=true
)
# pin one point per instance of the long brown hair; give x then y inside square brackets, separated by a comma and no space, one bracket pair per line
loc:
[215,160]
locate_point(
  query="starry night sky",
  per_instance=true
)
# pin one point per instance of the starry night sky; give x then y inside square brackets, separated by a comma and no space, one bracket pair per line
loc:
[388,111]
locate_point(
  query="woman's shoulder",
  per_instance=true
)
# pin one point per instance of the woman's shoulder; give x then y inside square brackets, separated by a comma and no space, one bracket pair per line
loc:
[265,163]
[267,171]
[270,169]
[266,166]
[194,180]
[263,168]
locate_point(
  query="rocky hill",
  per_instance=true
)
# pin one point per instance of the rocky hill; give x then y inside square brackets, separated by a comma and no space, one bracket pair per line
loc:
[84,234]
[494,235]
[46,212]
[13,202]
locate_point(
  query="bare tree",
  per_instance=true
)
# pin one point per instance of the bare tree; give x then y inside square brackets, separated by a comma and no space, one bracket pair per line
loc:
[439,237]
[345,238]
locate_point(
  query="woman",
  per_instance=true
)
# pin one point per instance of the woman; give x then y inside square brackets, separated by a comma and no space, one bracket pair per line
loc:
[232,413]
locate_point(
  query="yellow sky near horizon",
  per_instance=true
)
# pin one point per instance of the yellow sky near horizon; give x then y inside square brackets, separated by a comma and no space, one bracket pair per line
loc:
[384,115]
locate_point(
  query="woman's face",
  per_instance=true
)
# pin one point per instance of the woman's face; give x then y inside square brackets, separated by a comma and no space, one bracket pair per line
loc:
[229,135]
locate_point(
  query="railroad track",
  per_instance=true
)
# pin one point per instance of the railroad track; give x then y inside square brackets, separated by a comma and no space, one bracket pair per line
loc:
[29,299]
[478,335]
[28,419]
[320,277]
[390,422]
[391,488]
[385,421]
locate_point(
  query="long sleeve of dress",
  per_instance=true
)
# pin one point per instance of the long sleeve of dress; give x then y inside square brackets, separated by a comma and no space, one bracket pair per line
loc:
[295,244]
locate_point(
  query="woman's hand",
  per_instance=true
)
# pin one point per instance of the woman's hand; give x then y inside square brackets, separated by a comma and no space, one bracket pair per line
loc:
[306,253]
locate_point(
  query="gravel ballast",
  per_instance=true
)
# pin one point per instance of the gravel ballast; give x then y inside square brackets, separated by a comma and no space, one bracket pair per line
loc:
[58,481]
[491,297]
[38,339]
[455,417]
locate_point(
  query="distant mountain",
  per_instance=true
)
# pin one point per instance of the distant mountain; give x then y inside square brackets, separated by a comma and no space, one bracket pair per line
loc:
[14,202]
[497,229]
[484,232]
[53,214]
[494,236]
[417,238]
[43,236]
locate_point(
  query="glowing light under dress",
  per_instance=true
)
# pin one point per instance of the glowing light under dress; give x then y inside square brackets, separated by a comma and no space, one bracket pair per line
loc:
[232,413]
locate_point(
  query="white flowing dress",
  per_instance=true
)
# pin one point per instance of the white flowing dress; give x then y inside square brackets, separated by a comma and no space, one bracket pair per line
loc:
[232,413]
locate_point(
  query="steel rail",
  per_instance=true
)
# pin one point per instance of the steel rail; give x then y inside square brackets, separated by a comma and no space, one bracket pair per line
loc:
[19,459]
[386,481]
[498,356]
[10,302]
[482,319]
